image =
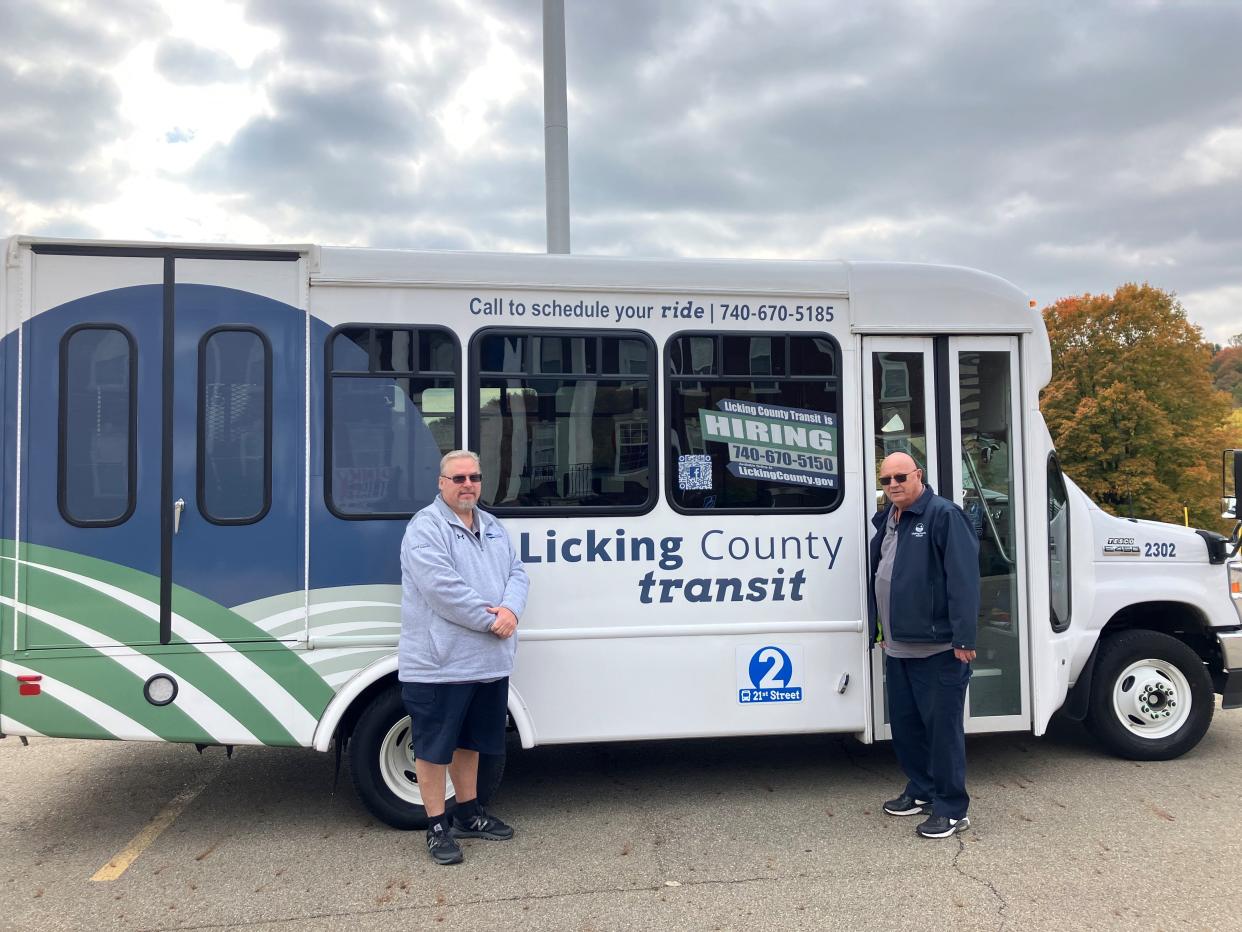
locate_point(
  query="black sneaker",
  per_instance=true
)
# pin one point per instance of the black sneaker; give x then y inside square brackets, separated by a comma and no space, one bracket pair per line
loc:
[443,848]
[905,804]
[939,826]
[480,825]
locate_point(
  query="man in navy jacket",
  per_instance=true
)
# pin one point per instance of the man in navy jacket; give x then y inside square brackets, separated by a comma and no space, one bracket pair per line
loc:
[923,602]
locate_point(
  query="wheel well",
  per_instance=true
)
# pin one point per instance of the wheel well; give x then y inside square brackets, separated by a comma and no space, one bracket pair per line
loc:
[1176,619]
[345,727]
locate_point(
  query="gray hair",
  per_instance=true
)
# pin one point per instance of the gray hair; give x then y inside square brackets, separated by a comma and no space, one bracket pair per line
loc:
[459,455]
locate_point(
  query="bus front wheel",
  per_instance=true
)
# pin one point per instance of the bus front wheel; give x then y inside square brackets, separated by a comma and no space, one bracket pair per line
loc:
[381,763]
[1151,696]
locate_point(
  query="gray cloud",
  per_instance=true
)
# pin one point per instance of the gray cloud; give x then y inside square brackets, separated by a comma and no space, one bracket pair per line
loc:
[184,62]
[354,141]
[61,106]
[1047,142]
[51,131]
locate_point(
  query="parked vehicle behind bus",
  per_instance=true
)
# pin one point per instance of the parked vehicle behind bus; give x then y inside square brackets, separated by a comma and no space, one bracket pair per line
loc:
[210,455]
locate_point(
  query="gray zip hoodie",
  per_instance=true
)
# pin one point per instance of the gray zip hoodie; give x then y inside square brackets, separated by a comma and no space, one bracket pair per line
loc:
[449,577]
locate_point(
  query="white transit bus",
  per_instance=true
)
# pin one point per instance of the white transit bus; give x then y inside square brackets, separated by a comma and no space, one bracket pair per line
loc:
[209,455]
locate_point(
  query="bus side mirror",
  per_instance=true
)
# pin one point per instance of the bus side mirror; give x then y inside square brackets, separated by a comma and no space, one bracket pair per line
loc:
[1231,466]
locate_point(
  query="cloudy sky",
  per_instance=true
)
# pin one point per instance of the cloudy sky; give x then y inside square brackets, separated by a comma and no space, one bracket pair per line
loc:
[1067,146]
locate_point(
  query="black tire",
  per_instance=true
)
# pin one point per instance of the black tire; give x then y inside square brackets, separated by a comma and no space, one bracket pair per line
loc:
[383,770]
[1132,664]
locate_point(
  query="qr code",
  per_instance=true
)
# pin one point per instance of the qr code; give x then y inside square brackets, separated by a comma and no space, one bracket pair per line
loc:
[694,472]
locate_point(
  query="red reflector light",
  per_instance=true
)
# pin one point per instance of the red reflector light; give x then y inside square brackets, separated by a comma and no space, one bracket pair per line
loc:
[29,684]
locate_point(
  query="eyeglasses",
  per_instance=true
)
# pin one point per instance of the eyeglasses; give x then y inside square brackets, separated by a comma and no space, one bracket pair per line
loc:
[464,478]
[899,478]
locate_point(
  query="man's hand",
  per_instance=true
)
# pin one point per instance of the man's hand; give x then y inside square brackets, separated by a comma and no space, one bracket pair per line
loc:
[505,623]
[965,656]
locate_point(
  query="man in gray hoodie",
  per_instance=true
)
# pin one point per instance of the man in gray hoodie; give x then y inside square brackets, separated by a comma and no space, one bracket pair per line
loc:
[462,591]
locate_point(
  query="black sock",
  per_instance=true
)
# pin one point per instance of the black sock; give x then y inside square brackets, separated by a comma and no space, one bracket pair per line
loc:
[467,808]
[441,820]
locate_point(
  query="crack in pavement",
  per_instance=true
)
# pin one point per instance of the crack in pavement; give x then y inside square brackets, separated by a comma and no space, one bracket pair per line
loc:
[991,888]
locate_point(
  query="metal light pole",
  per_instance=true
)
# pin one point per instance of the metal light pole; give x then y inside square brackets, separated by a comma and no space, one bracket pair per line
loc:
[555,126]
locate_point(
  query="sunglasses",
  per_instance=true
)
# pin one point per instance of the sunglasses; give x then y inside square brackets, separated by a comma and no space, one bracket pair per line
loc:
[463,478]
[899,478]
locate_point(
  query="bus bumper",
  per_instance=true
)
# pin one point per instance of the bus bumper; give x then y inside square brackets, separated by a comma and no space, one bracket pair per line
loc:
[1230,686]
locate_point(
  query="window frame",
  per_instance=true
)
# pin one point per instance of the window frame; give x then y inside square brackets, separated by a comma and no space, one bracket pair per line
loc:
[201,430]
[1054,460]
[719,335]
[62,487]
[328,376]
[653,385]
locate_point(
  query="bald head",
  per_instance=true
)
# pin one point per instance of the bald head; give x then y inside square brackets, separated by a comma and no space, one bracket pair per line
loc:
[905,480]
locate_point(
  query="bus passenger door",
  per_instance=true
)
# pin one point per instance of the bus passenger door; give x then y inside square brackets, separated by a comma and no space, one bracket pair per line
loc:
[952,404]
[899,392]
[89,534]
[984,387]
[237,491]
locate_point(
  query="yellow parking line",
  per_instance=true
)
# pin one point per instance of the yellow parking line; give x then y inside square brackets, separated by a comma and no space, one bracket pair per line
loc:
[164,818]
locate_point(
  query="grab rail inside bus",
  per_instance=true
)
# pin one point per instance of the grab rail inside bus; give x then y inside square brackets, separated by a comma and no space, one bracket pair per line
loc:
[983,504]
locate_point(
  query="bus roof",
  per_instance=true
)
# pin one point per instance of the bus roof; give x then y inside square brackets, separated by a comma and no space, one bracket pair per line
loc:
[884,297]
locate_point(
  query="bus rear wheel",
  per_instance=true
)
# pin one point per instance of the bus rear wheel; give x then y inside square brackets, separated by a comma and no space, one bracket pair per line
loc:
[1151,696]
[381,763]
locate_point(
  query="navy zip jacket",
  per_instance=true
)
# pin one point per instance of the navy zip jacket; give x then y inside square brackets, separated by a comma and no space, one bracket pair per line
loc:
[935,590]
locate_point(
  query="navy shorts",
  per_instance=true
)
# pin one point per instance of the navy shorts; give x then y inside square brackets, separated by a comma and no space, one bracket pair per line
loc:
[447,716]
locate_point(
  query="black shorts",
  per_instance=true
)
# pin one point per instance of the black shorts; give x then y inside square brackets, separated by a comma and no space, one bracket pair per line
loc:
[447,716]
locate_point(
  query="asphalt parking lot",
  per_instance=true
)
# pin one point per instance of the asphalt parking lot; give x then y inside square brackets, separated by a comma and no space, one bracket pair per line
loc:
[773,833]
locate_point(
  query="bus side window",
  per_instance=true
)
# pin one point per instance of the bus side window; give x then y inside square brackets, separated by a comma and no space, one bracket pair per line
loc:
[97,481]
[564,419]
[754,422]
[1058,547]
[234,425]
[392,412]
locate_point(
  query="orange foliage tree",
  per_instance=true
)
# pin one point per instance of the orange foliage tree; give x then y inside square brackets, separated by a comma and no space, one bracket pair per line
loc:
[1226,368]
[1135,418]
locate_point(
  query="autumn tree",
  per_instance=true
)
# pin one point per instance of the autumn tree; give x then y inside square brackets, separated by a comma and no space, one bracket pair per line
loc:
[1226,369]
[1233,430]
[1131,406]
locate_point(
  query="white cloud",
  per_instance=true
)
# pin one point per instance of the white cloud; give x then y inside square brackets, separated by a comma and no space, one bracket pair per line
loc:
[1217,310]
[220,25]
[153,107]
[474,113]
[1213,158]
[1063,147]
[1218,157]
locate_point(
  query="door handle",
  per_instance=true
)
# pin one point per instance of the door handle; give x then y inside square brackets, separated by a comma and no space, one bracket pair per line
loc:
[178,507]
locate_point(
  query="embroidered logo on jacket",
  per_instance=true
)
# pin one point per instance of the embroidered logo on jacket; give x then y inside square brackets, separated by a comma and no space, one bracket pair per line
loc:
[919,530]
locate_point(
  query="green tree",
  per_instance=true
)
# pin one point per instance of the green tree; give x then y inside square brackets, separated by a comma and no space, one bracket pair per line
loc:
[1131,406]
